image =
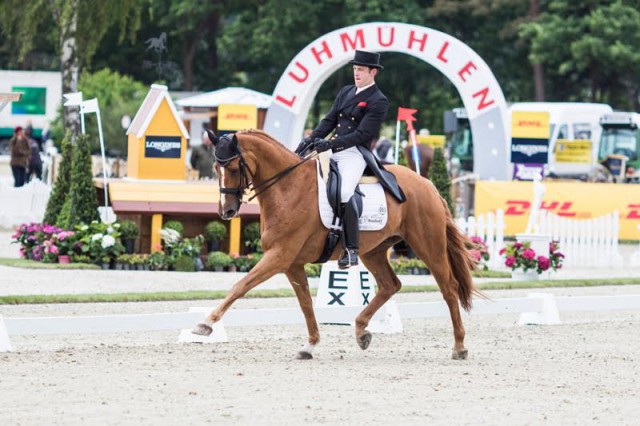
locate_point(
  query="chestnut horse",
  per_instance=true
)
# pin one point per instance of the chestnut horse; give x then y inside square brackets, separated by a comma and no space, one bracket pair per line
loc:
[426,157]
[293,234]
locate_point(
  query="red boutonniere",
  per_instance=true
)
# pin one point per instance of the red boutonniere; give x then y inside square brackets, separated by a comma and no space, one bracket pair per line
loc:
[362,104]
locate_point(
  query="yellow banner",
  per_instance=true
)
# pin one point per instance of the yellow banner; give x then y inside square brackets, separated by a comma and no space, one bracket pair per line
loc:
[237,117]
[434,141]
[530,125]
[577,151]
[573,200]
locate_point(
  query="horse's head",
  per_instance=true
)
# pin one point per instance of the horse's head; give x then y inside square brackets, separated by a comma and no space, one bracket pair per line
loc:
[232,174]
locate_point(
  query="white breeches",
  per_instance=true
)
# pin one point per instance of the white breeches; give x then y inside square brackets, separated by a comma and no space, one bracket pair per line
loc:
[351,165]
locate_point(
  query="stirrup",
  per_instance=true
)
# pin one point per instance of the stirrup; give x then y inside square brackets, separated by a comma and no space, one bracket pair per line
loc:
[348,258]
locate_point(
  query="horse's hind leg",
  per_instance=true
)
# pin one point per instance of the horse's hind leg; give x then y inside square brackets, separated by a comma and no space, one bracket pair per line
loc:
[298,279]
[432,250]
[388,284]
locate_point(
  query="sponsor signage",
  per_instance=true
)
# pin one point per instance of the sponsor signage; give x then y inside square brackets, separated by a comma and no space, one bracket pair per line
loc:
[573,200]
[530,137]
[237,117]
[578,151]
[162,146]
[434,141]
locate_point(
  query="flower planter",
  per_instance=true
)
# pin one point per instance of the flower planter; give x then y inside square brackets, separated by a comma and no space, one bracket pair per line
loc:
[128,245]
[64,258]
[530,275]
[213,245]
[105,265]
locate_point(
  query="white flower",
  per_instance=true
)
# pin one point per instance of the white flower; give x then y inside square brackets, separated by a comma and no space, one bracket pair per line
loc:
[96,237]
[108,241]
[109,230]
[169,236]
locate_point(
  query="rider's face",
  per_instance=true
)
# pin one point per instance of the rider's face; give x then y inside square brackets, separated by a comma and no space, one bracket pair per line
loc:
[363,76]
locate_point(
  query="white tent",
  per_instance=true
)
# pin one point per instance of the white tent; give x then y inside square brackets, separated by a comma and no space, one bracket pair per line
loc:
[228,95]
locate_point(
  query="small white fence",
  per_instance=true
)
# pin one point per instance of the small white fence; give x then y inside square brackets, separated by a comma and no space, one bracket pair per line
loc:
[535,309]
[24,204]
[584,242]
[490,228]
[588,243]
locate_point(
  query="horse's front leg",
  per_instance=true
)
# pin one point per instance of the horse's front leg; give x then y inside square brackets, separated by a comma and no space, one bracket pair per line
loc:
[268,266]
[298,279]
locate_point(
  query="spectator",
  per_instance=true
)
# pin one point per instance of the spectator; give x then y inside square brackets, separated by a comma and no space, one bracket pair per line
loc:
[202,158]
[35,162]
[20,154]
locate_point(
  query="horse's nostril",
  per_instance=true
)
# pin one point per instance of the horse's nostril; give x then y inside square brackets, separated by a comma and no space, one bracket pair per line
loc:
[230,213]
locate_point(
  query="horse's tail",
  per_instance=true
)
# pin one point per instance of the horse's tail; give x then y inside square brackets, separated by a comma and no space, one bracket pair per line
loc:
[461,262]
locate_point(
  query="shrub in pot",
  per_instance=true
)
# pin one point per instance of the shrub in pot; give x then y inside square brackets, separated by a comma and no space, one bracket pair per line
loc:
[128,233]
[214,232]
[217,261]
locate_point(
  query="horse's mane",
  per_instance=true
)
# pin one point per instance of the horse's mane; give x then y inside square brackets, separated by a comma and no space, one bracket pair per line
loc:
[265,137]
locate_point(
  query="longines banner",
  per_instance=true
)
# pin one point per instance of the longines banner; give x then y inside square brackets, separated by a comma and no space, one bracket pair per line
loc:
[162,146]
[529,137]
[574,200]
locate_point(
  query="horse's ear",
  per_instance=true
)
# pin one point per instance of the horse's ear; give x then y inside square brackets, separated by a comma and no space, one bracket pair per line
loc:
[212,136]
[234,140]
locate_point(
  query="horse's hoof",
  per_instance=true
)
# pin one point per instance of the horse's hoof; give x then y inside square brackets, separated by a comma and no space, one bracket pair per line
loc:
[202,330]
[304,355]
[460,354]
[364,340]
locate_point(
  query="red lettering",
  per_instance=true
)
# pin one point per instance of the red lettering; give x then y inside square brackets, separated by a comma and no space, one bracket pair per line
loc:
[483,104]
[549,205]
[391,37]
[517,208]
[444,48]
[563,210]
[287,102]
[353,43]
[422,41]
[304,70]
[467,70]
[635,211]
[325,49]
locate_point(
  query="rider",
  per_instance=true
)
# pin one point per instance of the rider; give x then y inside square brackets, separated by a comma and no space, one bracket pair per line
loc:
[356,115]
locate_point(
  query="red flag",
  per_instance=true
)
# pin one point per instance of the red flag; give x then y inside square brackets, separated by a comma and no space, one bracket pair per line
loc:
[405,114]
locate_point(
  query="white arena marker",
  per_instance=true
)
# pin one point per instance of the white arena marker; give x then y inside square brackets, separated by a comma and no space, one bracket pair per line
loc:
[5,343]
[547,315]
[219,335]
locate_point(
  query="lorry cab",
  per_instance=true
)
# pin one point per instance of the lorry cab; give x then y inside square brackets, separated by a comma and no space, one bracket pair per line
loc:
[573,139]
[621,137]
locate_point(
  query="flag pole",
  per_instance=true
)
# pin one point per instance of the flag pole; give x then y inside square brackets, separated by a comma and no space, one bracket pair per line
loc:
[397,141]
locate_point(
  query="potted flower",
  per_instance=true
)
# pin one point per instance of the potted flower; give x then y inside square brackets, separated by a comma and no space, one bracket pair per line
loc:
[128,233]
[158,261]
[122,262]
[479,251]
[243,263]
[65,241]
[526,264]
[214,233]
[252,236]
[217,261]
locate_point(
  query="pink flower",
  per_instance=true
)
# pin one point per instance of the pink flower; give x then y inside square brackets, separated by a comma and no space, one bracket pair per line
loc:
[529,254]
[510,261]
[543,262]
[517,245]
[502,250]
[476,254]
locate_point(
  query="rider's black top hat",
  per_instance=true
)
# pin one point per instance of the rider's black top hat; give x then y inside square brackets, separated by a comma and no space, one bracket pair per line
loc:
[367,59]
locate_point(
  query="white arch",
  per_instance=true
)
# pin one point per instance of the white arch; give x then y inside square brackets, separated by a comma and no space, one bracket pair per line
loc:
[476,84]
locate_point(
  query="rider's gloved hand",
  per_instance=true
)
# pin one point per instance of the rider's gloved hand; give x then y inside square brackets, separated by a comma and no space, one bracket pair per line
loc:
[321,145]
[304,145]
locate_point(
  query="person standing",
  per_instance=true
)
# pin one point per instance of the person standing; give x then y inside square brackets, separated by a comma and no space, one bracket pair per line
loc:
[202,158]
[356,116]
[20,154]
[35,161]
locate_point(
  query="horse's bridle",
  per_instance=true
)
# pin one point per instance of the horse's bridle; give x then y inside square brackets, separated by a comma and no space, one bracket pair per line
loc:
[246,184]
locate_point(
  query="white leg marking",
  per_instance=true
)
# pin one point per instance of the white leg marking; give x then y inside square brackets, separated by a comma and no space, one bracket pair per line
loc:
[308,348]
[222,196]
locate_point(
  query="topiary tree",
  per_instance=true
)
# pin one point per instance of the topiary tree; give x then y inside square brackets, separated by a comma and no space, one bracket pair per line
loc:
[61,185]
[439,175]
[84,202]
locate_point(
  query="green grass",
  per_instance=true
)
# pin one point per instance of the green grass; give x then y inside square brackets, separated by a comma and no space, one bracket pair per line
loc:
[216,295]
[32,264]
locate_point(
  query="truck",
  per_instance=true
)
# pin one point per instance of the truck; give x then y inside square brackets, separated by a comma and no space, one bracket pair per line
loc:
[619,145]
[41,98]
[574,127]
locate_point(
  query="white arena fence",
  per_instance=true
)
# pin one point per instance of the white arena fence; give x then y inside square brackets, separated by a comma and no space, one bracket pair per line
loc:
[490,228]
[535,309]
[584,242]
[22,205]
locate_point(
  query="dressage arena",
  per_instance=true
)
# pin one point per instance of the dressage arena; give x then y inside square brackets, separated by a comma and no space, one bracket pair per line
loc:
[583,371]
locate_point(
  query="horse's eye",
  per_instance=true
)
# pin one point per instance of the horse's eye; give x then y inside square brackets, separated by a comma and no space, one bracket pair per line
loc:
[234,172]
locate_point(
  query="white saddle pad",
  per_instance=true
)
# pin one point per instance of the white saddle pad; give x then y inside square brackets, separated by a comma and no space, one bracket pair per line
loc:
[374,205]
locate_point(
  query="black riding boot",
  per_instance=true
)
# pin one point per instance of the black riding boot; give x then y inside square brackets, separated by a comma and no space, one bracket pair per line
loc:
[351,232]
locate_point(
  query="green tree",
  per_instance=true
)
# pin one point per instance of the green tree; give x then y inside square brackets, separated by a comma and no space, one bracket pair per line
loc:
[82,195]
[78,27]
[62,184]
[439,175]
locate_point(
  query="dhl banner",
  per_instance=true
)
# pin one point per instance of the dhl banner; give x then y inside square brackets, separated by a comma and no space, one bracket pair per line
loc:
[434,141]
[577,151]
[237,117]
[574,200]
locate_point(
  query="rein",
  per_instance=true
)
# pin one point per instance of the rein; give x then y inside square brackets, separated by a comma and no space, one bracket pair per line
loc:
[248,185]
